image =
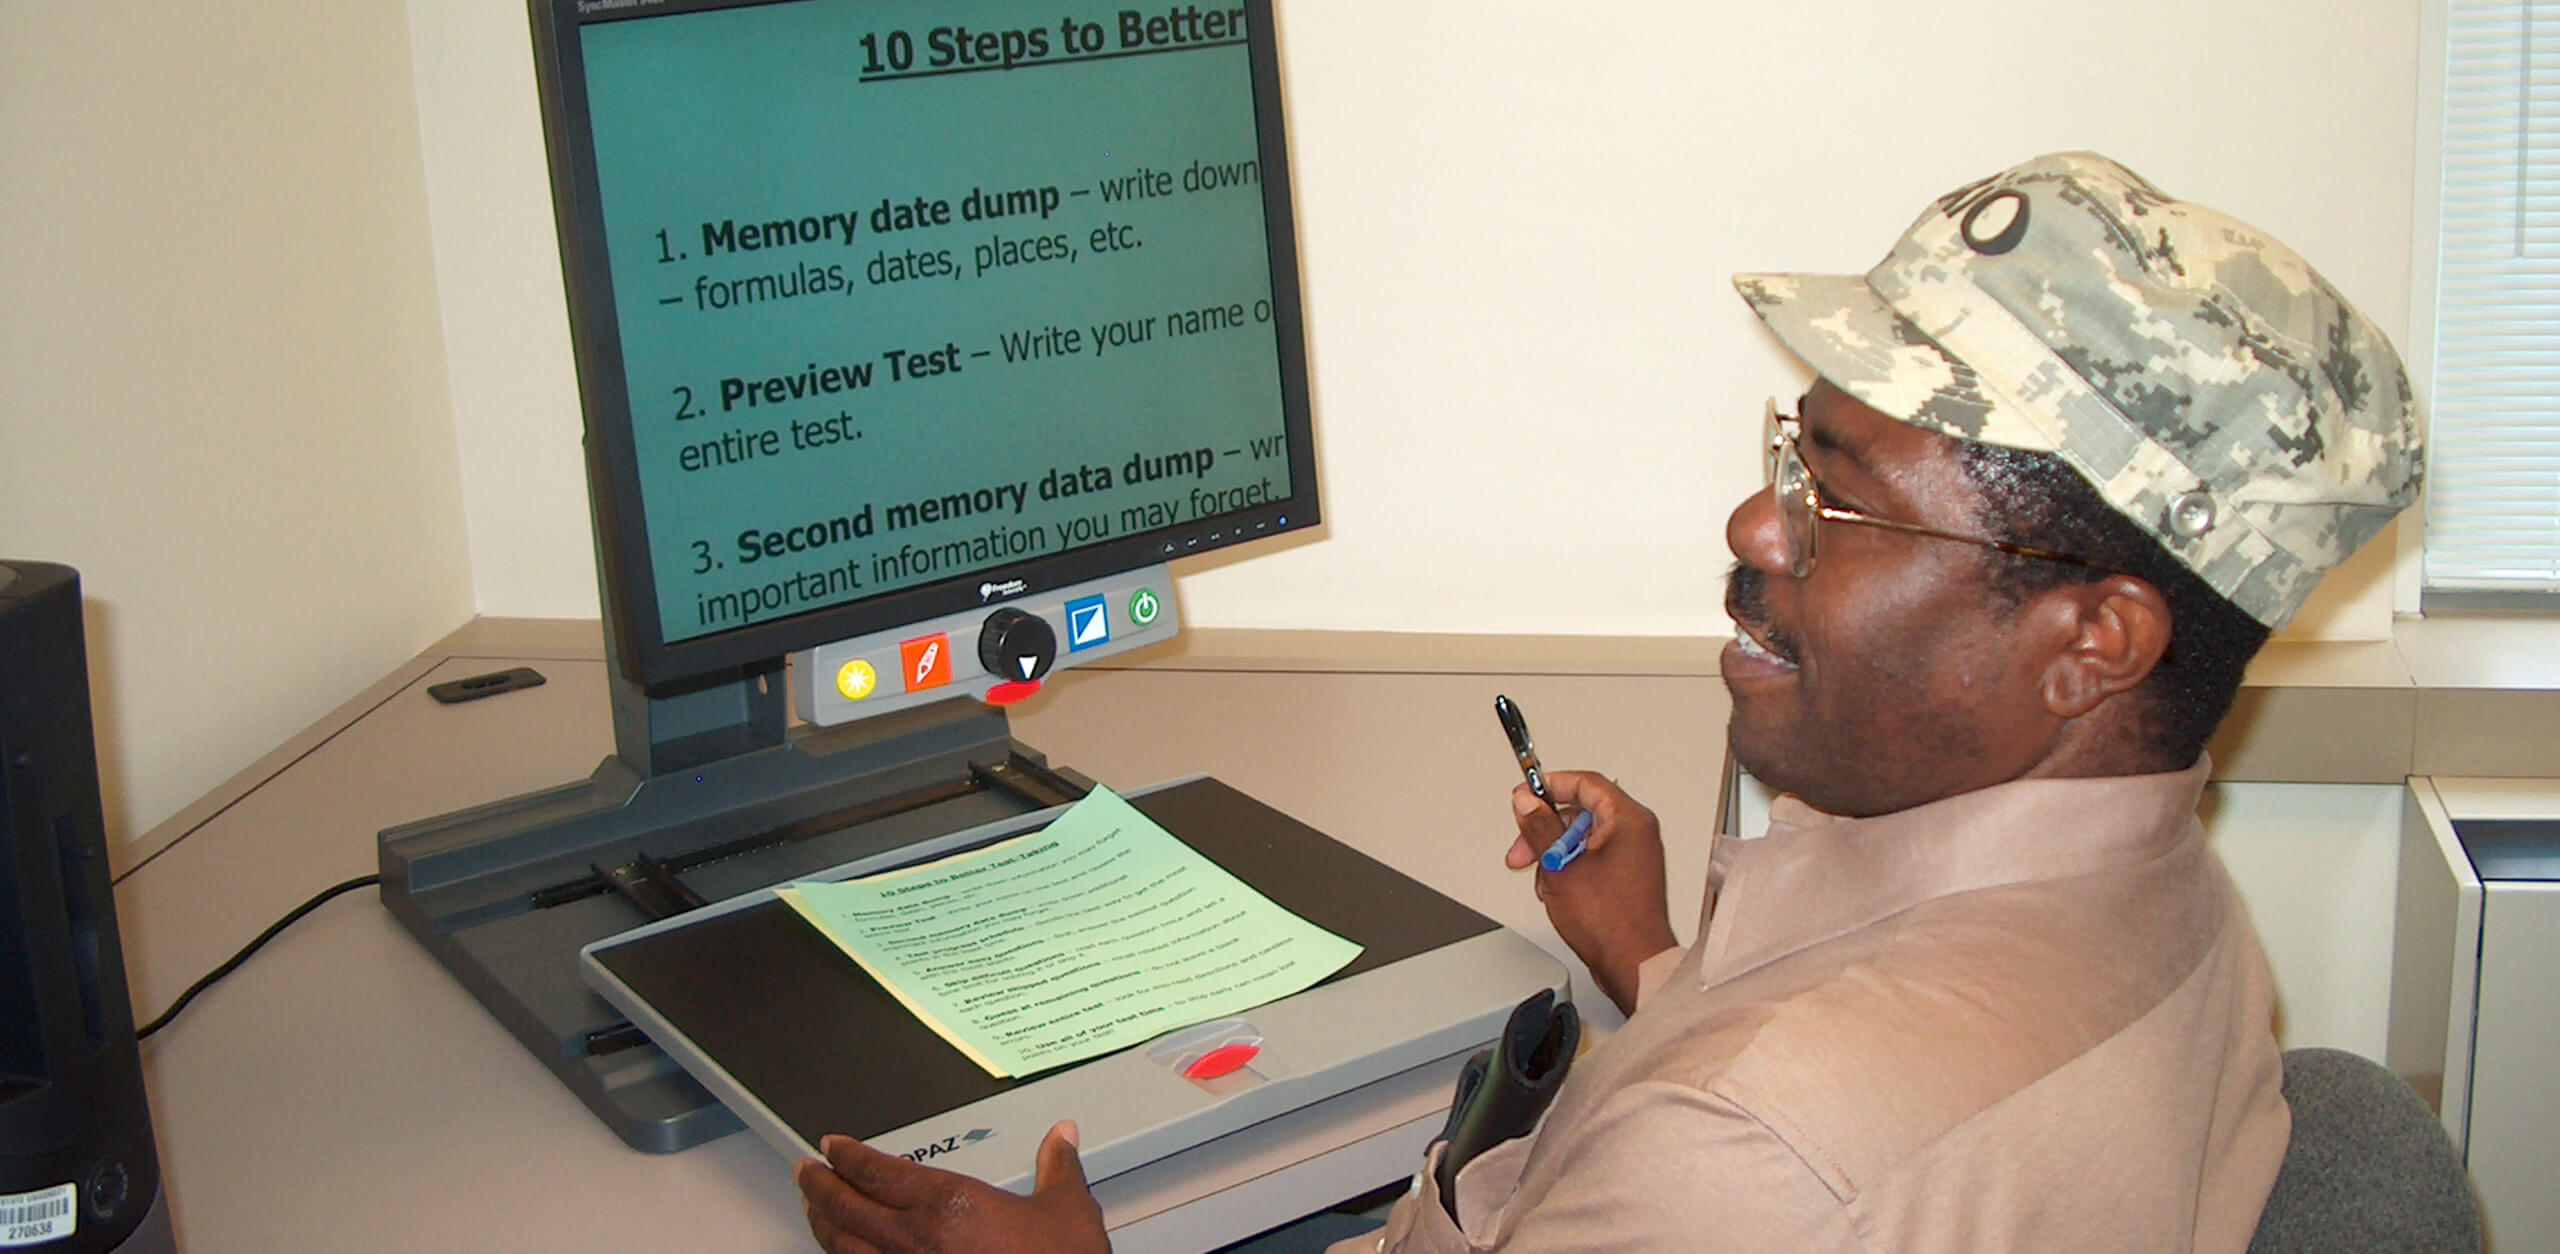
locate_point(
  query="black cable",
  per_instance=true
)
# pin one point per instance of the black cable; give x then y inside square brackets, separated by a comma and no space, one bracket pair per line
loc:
[144,1032]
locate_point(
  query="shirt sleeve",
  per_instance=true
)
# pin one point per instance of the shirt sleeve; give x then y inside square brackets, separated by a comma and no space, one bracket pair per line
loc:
[1664,1167]
[1654,972]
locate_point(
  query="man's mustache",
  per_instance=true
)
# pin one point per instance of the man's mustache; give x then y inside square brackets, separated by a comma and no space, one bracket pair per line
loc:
[1746,600]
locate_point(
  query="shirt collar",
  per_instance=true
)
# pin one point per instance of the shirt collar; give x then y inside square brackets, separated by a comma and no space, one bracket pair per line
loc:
[1816,876]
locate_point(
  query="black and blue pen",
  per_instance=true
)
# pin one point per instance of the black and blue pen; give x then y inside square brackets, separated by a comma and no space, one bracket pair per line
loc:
[1568,846]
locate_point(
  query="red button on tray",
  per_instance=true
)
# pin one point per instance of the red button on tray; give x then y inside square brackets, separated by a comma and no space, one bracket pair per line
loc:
[1224,1060]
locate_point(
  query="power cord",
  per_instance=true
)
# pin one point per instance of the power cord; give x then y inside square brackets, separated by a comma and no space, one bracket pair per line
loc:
[144,1032]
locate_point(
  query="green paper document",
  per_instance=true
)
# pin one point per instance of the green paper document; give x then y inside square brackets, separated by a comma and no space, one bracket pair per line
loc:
[1096,933]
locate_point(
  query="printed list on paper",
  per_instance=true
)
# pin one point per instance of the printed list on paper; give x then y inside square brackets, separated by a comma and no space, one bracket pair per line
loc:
[1098,932]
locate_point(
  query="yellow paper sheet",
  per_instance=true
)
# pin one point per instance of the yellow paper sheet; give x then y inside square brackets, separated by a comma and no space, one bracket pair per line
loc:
[1098,932]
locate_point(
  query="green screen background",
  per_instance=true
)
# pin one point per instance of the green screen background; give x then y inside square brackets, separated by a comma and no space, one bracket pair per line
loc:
[762,114]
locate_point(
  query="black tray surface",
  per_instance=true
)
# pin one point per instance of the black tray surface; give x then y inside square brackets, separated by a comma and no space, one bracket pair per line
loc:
[811,1034]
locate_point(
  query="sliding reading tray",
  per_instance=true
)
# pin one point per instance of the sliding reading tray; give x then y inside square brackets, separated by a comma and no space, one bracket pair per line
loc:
[796,1039]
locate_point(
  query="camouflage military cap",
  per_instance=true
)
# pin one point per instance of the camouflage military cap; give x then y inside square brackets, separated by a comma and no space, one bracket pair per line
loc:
[2209,383]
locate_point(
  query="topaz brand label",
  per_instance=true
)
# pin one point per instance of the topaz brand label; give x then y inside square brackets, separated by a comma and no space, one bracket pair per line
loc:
[927,1153]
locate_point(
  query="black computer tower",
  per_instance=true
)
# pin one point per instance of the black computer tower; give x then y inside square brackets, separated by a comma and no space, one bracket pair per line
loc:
[78,1172]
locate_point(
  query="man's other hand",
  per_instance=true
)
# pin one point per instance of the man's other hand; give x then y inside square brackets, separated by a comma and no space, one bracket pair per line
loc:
[861,1201]
[1610,903]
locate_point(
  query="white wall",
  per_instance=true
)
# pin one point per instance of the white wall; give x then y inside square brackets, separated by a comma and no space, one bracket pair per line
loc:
[283,366]
[2319,868]
[222,390]
[506,324]
[1537,397]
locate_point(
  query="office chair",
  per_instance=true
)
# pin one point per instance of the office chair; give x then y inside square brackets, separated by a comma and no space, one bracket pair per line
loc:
[2369,1167]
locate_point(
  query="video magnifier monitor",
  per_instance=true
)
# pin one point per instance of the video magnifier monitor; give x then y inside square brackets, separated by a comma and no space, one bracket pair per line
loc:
[885,305]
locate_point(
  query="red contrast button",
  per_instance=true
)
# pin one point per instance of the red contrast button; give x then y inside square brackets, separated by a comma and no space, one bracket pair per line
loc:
[1224,1060]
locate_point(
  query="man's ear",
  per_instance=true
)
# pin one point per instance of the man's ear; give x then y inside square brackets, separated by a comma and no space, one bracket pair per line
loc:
[2110,634]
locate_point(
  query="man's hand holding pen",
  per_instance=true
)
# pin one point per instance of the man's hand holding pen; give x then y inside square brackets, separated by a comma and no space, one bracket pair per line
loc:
[1610,903]
[1599,857]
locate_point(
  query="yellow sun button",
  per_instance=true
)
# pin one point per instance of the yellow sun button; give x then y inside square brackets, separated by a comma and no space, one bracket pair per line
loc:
[857,679]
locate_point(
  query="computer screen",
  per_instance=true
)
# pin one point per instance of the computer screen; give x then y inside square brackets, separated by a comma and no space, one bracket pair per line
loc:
[891,309]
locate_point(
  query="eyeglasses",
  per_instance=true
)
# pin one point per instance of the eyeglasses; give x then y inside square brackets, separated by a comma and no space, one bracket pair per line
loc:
[1801,508]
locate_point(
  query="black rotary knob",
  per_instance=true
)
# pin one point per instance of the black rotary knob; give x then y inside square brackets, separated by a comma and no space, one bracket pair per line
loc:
[1016,647]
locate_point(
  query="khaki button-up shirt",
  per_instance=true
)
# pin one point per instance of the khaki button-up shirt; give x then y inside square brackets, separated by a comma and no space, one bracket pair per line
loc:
[2029,1017]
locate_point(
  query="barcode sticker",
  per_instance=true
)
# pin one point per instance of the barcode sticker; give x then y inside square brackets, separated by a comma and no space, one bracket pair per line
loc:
[44,1215]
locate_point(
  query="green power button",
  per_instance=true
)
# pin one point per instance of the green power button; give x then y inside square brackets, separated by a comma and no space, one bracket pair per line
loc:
[1143,607]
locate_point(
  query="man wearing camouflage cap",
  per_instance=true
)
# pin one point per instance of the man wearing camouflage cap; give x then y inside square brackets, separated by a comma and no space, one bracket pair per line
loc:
[2074,449]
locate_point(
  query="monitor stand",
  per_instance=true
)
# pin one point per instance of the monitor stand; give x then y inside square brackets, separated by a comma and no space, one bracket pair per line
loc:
[708,795]
[712,796]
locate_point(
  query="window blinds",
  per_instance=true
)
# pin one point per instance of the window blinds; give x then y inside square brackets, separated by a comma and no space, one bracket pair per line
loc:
[2493,514]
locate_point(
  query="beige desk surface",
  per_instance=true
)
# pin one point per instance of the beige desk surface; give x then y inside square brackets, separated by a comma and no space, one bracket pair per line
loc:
[342,1092]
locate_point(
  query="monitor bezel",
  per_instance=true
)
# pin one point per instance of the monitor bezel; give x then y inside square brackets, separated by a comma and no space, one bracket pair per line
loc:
[627,580]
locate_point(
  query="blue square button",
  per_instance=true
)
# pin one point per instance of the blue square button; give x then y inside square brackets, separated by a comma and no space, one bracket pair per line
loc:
[1088,623]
